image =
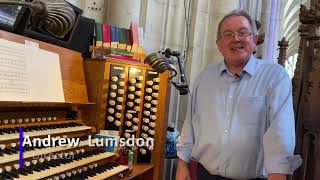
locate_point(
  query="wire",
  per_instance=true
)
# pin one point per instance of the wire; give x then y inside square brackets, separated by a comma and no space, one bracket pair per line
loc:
[187,13]
[187,18]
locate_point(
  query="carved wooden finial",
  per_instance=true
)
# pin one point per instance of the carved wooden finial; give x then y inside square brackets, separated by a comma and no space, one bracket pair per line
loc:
[311,15]
[283,45]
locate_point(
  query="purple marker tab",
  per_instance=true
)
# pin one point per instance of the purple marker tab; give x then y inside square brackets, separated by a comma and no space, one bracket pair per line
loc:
[20,148]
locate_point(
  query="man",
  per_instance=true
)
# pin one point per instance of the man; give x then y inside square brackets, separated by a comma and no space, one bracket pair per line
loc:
[240,121]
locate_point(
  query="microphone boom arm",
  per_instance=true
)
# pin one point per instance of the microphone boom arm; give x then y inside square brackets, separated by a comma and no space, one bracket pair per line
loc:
[183,87]
[160,64]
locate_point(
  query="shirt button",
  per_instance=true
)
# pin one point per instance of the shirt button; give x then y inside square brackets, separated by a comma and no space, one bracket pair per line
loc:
[226,130]
[230,97]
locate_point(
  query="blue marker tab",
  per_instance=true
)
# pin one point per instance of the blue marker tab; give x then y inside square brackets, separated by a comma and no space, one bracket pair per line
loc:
[20,148]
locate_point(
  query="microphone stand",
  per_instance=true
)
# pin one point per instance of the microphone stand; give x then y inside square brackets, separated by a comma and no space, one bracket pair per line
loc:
[161,64]
[183,87]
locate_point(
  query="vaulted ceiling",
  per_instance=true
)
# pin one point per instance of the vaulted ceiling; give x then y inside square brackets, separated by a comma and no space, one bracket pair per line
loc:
[290,23]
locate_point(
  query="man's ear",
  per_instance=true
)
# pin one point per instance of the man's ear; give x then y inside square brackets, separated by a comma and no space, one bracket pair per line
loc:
[218,44]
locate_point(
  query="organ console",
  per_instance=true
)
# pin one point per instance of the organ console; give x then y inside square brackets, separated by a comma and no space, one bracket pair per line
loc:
[99,95]
[141,93]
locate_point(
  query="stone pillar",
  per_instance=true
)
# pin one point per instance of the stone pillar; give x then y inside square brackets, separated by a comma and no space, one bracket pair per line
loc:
[207,15]
[253,7]
[94,10]
[120,13]
[270,20]
[155,24]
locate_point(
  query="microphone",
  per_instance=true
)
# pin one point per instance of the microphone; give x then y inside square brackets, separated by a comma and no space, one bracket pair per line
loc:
[157,62]
[160,64]
[56,16]
[238,77]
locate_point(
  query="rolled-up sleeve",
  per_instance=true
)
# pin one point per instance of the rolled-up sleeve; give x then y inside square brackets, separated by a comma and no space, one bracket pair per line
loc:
[279,139]
[185,141]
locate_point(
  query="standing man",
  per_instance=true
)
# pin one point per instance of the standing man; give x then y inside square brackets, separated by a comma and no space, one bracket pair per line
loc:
[240,120]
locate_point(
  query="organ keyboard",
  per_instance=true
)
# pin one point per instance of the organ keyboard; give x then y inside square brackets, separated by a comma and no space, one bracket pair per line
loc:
[59,166]
[13,155]
[40,162]
[67,119]
[34,131]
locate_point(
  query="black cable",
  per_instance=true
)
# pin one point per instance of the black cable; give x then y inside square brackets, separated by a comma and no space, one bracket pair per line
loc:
[187,13]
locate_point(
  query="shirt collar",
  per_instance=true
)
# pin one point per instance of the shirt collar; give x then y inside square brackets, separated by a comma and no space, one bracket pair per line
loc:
[249,68]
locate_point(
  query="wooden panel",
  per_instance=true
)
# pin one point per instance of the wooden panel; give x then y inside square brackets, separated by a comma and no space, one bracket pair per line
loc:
[141,172]
[72,73]
[94,74]
[161,133]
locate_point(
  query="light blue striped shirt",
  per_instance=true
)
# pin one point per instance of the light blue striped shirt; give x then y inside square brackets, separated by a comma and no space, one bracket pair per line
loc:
[241,127]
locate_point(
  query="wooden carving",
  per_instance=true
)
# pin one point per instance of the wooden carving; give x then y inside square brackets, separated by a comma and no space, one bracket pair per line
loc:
[283,45]
[311,111]
[306,90]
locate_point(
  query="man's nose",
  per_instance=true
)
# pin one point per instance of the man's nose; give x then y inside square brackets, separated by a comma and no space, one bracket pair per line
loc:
[236,37]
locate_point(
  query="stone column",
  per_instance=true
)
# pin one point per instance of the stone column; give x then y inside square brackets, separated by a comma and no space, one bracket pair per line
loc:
[206,15]
[270,20]
[94,10]
[120,13]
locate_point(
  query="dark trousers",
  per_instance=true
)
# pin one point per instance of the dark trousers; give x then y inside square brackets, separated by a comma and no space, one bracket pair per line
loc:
[203,174]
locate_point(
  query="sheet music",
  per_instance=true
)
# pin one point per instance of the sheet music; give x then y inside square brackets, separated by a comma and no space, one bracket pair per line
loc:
[14,81]
[29,74]
[45,76]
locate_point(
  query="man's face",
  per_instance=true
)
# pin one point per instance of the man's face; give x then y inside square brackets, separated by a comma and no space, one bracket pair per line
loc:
[236,41]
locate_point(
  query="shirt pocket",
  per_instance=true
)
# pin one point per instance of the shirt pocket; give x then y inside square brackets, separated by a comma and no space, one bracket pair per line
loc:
[251,110]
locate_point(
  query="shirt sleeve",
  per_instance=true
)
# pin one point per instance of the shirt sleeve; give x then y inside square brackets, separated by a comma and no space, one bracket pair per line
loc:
[279,139]
[185,141]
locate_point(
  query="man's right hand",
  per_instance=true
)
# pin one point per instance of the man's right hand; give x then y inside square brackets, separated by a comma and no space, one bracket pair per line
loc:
[182,171]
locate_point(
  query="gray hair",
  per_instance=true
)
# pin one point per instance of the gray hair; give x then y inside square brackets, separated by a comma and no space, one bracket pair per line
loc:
[238,12]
